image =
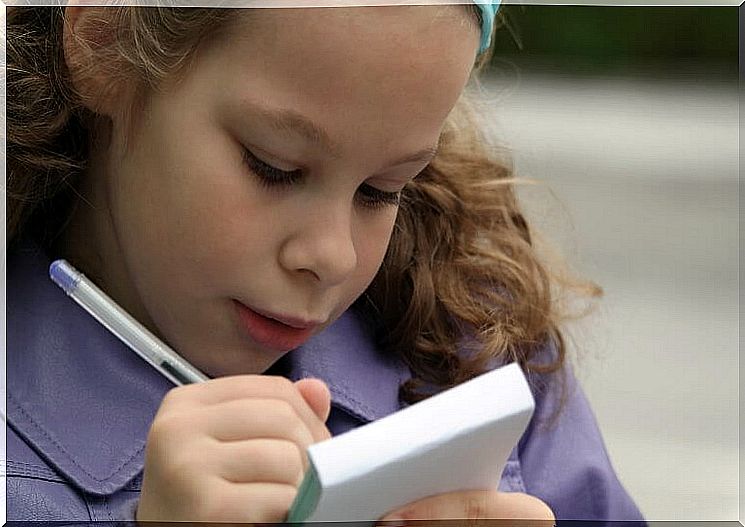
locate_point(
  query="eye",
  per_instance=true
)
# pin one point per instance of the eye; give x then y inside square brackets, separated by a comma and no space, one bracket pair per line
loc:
[374,198]
[269,175]
[272,177]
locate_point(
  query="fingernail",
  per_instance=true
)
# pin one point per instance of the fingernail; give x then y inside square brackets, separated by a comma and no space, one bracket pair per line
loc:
[399,515]
[396,519]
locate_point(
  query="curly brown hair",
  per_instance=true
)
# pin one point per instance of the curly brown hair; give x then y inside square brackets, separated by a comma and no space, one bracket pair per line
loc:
[461,285]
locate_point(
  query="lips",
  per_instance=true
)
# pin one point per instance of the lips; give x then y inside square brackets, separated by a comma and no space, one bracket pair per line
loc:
[277,332]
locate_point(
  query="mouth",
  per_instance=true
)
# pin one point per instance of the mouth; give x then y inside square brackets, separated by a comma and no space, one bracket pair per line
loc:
[280,333]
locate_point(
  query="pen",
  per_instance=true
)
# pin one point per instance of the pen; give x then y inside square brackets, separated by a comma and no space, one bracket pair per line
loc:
[121,324]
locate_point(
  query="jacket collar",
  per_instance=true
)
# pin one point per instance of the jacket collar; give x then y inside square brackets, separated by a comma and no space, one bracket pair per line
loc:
[85,402]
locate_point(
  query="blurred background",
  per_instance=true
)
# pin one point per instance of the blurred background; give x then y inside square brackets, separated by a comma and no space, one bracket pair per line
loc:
[628,119]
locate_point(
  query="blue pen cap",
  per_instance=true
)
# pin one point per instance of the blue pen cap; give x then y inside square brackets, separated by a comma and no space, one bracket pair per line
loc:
[64,275]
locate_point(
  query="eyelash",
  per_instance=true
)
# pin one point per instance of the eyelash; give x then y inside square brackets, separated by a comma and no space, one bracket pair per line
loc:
[272,177]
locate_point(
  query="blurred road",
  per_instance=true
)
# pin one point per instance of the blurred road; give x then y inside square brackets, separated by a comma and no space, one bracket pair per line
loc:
[641,193]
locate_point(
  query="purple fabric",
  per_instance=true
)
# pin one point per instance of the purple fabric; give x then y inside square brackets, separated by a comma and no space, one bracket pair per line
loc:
[79,406]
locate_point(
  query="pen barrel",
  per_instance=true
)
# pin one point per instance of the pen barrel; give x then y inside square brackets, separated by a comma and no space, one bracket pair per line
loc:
[101,307]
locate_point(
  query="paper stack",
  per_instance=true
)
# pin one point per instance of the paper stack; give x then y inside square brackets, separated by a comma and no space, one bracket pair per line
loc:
[457,440]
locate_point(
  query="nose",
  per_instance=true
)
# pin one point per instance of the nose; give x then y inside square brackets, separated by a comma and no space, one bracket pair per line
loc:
[322,245]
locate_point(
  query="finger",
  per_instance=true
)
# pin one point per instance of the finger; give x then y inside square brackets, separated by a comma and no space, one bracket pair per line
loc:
[317,395]
[247,502]
[244,419]
[260,461]
[444,506]
[477,505]
[223,389]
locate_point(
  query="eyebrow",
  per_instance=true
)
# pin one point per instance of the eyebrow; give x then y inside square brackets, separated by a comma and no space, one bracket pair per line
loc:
[287,120]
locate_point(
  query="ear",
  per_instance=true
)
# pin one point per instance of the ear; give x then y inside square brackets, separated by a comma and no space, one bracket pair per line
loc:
[86,30]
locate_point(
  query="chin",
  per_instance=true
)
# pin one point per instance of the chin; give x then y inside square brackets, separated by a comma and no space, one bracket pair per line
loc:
[240,362]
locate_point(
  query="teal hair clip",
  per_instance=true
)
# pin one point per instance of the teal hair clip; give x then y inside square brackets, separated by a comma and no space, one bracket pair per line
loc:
[488,13]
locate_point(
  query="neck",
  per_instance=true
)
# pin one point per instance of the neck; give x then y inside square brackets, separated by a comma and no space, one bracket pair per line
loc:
[90,241]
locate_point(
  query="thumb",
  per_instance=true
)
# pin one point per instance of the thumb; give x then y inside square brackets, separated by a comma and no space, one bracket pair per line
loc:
[317,395]
[475,505]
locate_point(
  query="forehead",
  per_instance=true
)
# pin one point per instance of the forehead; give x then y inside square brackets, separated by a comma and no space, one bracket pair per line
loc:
[309,39]
[331,21]
[406,48]
[364,74]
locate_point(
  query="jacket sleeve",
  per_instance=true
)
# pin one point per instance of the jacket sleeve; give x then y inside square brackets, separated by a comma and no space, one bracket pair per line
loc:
[563,458]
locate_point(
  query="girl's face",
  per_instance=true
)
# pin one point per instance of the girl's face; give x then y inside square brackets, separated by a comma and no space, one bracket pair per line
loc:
[266,181]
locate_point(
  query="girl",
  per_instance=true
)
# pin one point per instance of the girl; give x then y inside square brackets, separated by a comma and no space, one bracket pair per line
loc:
[297,201]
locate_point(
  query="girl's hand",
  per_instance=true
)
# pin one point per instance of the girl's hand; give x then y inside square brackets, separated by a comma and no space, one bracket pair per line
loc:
[485,504]
[231,449]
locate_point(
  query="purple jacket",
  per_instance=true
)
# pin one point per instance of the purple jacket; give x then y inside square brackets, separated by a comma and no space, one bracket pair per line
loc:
[79,406]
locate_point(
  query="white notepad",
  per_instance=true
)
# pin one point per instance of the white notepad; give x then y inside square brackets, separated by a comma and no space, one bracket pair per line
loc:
[457,440]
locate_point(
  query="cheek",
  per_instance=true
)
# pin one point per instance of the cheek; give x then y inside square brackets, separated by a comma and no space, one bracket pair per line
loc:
[373,244]
[183,208]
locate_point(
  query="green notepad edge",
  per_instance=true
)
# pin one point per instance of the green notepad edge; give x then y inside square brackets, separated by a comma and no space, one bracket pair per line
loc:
[307,497]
